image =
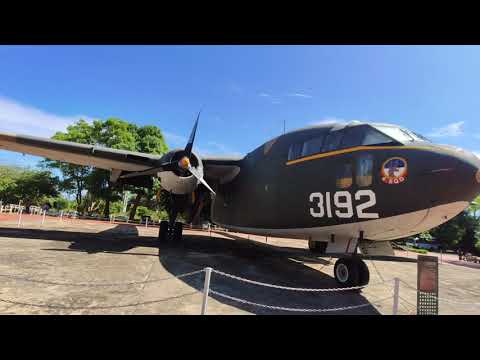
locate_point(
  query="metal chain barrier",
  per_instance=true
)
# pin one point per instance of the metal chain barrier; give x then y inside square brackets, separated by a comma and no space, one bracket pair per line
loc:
[295,288]
[101,284]
[271,307]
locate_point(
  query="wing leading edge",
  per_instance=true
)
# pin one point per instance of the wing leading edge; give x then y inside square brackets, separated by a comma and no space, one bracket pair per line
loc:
[79,154]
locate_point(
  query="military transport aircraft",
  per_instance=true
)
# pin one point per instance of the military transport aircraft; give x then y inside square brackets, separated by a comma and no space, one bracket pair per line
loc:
[346,188]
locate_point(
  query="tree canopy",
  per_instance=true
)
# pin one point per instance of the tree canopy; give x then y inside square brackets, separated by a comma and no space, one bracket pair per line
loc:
[91,186]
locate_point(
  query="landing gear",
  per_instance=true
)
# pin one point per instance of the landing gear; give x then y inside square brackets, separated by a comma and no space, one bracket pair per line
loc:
[350,272]
[168,233]
[163,233]
[317,247]
[171,230]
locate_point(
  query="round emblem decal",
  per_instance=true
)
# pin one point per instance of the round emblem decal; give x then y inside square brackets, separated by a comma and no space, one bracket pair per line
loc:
[394,171]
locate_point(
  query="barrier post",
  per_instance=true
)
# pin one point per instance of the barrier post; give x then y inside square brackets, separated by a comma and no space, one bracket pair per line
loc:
[206,288]
[396,294]
[61,215]
[43,217]
[146,223]
[19,217]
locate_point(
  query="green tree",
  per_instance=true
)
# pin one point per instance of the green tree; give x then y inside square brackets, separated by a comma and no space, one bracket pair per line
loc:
[113,133]
[73,176]
[31,187]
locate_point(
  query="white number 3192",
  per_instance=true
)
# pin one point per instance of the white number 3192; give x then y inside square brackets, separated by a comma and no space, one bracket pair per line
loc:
[342,204]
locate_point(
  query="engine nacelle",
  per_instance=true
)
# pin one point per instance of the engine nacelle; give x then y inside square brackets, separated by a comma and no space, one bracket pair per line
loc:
[179,182]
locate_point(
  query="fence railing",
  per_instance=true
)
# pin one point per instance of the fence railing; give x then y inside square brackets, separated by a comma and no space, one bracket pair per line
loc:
[208,291]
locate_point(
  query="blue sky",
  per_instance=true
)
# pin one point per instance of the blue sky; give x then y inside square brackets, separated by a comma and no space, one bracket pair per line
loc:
[246,91]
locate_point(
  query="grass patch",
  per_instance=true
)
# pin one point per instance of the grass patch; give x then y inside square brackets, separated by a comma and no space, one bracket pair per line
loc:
[420,251]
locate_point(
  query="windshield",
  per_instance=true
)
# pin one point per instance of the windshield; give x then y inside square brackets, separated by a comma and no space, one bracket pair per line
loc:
[399,134]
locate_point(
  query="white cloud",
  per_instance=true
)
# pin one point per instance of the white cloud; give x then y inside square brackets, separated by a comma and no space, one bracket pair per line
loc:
[300,95]
[453,129]
[24,119]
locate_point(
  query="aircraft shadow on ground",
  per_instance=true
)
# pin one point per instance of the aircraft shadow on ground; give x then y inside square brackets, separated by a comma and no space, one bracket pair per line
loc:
[235,255]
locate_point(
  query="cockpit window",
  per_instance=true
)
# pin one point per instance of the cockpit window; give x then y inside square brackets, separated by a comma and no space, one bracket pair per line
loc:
[400,134]
[363,136]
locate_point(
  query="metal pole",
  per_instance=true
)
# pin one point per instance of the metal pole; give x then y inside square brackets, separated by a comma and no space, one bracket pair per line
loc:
[206,288]
[146,223]
[44,214]
[61,215]
[396,294]
[19,218]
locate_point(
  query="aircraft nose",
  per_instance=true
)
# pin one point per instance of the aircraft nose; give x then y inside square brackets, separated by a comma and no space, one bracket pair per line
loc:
[468,168]
[456,175]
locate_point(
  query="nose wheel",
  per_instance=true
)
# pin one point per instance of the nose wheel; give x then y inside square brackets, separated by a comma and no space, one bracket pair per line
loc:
[350,272]
[169,233]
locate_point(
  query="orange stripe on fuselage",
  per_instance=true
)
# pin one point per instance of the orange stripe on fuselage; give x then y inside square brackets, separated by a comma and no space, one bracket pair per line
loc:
[354,149]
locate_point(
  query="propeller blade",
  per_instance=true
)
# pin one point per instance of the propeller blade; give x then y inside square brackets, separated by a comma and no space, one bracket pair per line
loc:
[188,148]
[200,177]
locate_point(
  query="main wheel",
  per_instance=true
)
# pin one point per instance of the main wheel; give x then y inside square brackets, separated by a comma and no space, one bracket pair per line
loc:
[364,273]
[347,272]
[163,232]
[177,231]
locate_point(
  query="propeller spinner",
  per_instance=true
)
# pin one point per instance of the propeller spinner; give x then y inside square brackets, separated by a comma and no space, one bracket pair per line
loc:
[184,164]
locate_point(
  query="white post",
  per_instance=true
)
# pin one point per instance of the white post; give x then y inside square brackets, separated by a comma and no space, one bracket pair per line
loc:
[146,223]
[19,218]
[43,217]
[61,215]
[396,294]
[206,288]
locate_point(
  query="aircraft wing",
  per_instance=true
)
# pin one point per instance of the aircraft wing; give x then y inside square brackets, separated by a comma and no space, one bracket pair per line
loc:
[222,169]
[79,154]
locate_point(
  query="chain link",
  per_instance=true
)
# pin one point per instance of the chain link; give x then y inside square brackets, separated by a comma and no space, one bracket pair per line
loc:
[100,284]
[295,288]
[243,301]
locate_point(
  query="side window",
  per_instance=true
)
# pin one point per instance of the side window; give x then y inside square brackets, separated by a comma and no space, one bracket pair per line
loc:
[295,151]
[364,169]
[344,175]
[312,146]
[332,142]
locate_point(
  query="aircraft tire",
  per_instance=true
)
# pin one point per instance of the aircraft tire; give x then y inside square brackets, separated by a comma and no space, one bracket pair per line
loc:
[347,272]
[163,232]
[177,231]
[364,273]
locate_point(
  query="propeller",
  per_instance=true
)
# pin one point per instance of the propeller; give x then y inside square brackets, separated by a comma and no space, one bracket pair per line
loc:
[183,164]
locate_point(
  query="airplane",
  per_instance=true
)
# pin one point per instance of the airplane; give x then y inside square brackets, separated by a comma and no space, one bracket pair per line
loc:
[347,189]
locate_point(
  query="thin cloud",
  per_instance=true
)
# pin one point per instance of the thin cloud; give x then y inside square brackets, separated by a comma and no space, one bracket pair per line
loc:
[24,119]
[273,99]
[453,129]
[301,95]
